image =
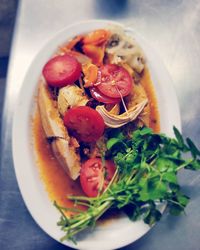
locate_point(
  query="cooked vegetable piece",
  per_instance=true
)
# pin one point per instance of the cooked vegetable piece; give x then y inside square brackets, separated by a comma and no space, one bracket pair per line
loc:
[94,52]
[84,123]
[70,96]
[114,81]
[90,72]
[61,70]
[80,57]
[122,48]
[115,121]
[70,45]
[97,37]
[95,175]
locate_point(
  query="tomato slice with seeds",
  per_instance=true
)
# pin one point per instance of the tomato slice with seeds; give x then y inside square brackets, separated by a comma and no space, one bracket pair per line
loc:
[84,123]
[61,70]
[95,176]
[97,95]
[114,81]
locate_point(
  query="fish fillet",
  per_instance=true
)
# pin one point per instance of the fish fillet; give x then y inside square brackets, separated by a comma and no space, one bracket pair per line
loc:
[54,128]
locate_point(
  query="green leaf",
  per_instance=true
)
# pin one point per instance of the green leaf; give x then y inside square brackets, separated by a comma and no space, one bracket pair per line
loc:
[178,203]
[183,199]
[152,189]
[146,131]
[179,137]
[175,209]
[194,150]
[111,142]
[172,150]
[143,194]
[139,134]
[115,133]
[157,190]
[133,212]
[170,177]
[153,216]
[174,187]
[164,165]
[194,165]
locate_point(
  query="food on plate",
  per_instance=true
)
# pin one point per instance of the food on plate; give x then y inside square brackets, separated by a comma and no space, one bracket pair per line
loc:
[62,70]
[84,123]
[114,81]
[56,132]
[95,175]
[97,134]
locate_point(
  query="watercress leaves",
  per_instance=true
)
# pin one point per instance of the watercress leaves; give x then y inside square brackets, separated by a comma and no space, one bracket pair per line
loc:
[147,166]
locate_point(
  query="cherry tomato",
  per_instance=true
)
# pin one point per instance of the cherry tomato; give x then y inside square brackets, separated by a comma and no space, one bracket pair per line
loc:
[95,176]
[97,95]
[114,81]
[61,70]
[84,123]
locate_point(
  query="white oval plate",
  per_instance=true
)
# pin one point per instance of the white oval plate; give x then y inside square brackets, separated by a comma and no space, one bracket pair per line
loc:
[121,231]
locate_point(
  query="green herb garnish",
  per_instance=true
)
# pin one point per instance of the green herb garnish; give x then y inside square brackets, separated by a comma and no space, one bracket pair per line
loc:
[146,175]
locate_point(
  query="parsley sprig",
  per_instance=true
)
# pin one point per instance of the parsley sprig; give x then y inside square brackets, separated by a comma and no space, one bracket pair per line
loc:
[146,176]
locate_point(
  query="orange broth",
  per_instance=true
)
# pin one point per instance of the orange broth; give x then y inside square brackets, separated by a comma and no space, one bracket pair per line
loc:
[154,113]
[57,183]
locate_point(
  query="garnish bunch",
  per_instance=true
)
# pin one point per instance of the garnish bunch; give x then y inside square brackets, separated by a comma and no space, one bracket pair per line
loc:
[146,176]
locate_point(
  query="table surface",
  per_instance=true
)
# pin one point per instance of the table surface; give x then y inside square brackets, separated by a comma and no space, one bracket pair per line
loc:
[173,29]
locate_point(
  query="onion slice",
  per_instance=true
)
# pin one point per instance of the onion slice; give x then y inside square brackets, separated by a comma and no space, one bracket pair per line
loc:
[116,121]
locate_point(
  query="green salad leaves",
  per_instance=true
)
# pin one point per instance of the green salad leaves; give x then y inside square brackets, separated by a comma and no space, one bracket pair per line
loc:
[146,176]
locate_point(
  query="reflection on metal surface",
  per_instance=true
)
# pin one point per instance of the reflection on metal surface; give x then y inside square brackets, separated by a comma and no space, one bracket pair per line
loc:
[111,9]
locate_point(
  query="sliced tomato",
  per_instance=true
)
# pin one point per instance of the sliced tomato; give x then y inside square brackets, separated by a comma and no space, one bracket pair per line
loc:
[114,81]
[95,175]
[97,95]
[62,70]
[84,123]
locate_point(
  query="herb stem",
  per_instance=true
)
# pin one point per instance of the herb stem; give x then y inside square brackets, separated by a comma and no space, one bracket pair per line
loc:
[186,163]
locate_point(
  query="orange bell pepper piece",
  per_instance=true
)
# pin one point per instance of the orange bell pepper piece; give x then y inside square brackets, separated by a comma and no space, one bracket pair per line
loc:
[95,53]
[90,71]
[97,37]
[70,45]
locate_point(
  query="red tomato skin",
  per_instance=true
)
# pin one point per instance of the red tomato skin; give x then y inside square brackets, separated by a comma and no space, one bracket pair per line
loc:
[109,172]
[92,173]
[85,123]
[114,79]
[61,70]
[97,95]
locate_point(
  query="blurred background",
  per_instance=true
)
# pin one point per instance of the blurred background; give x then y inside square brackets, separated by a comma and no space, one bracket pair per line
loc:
[8,10]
